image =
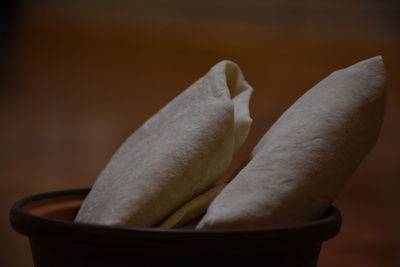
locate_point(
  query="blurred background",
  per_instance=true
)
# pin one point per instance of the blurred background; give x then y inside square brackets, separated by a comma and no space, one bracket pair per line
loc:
[77,77]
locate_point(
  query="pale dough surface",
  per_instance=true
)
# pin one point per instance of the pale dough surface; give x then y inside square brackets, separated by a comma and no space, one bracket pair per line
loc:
[178,153]
[302,163]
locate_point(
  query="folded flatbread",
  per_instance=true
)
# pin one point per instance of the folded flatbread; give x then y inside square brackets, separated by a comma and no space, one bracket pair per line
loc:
[177,154]
[304,160]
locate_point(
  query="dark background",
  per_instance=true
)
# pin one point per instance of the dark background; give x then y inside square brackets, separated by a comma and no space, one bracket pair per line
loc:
[77,77]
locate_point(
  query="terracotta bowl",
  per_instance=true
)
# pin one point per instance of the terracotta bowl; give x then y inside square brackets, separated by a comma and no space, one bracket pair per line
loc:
[56,240]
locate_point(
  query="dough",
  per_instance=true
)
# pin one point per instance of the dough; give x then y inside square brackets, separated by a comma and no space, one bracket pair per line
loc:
[178,153]
[304,160]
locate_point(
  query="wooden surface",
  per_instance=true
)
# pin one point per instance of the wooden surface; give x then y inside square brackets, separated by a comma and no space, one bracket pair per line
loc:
[76,88]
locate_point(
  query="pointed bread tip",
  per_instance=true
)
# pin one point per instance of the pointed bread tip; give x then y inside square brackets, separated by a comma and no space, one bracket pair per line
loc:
[373,62]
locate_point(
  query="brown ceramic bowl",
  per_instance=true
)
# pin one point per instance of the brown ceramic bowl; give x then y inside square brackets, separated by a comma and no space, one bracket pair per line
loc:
[56,240]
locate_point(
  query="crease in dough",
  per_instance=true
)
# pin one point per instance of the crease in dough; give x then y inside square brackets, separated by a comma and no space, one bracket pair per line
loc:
[192,209]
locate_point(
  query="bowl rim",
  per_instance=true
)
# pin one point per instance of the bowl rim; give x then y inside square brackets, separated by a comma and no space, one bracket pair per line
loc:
[32,225]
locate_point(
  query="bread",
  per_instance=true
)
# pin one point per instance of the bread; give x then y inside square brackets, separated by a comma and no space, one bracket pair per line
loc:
[304,160]
[177,154]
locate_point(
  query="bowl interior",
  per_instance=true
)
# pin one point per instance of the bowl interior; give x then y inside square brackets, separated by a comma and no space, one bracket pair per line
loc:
[62,207]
